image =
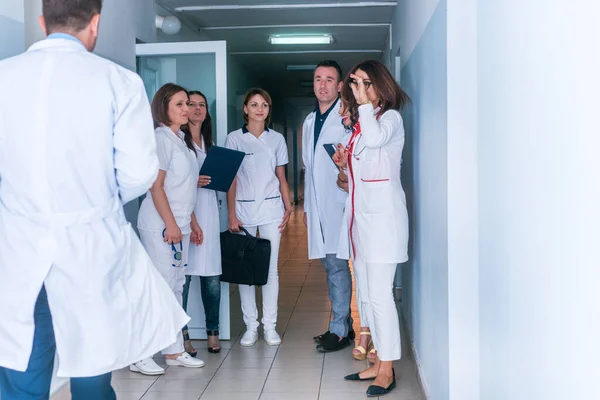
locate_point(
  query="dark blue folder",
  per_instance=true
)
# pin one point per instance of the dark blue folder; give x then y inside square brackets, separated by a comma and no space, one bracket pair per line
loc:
[221,165]
[330,148]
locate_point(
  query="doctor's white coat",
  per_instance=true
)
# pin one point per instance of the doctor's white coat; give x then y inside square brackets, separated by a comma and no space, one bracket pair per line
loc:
[76,143]
[323,199]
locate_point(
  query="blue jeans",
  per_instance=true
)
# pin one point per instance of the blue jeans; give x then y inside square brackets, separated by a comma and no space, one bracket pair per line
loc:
[339,286]
[210,286]
[34,384]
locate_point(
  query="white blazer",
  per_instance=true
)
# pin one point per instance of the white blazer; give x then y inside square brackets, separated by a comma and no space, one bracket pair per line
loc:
[323,199]
[82,147]
[376,205]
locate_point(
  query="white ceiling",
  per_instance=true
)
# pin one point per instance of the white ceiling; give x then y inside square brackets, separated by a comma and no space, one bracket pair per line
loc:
[352,43]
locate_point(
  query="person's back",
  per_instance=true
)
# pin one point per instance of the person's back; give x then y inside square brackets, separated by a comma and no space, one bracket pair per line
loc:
[57,116]
[76,143]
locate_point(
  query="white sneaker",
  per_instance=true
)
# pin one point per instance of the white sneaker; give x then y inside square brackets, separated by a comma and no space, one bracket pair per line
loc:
[147,367]
[272,337]
[249,338]
[185,360]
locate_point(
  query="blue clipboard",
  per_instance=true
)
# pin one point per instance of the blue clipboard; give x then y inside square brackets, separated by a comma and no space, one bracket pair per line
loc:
[222,165]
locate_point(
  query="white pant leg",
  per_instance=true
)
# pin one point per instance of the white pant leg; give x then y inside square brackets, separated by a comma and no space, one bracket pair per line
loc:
[362,292]
[248,298]
[270,291]
[161,255]
[385,327]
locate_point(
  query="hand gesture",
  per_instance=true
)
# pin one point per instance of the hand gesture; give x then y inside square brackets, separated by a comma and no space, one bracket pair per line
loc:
[340,158]
[173,235]
[286,218]
[234,224]
[359,89]
[203,180]
[197,236]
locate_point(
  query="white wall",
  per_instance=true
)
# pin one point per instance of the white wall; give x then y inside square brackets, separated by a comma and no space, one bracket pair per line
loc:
[425,178]
[539,196]
[12,31]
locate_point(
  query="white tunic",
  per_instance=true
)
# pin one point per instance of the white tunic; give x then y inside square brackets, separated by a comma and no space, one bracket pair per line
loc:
[205,260]
[181,178]
[258,198]
[323,199]
[82,148]
[376,205]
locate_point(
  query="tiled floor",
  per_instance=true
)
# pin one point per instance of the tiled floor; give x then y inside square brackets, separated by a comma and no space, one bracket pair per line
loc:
[292,371]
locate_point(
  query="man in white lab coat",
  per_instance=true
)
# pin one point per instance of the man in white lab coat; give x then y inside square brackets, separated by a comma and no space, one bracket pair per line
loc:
[76,143]
[324,201]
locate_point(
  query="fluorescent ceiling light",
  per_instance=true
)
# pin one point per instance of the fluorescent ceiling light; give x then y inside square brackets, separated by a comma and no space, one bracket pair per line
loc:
[301,39]
[310,67]
[288,6]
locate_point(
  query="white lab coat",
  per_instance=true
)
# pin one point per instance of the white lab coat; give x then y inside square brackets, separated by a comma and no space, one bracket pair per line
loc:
[205,260]
[323,199]
[380,227]
[82,147]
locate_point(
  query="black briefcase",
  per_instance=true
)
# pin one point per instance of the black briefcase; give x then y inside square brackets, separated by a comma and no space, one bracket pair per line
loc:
[245,258]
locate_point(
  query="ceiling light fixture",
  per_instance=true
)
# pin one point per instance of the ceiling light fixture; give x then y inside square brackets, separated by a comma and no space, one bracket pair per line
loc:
[301,39]
[288,6]
[170,25]
[298,67]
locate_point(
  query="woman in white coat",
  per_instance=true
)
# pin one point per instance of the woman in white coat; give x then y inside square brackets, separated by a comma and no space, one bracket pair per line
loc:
[205,260]
[166,221]
[259,200]
[376,214]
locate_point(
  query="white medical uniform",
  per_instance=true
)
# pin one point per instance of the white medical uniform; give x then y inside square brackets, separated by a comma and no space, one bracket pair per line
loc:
[181,179]
[323,199]
[376,222]
[205,260]
[259,206]
[65,173]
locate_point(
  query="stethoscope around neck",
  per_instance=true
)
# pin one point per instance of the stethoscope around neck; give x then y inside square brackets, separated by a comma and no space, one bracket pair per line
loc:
[177,254]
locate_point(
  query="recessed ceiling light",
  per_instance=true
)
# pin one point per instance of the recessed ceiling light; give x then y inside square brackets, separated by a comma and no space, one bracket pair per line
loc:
[300,67]
[301,39]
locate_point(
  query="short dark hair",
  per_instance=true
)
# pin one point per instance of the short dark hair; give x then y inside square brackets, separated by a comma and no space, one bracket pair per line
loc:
[160,103]
[262,92]
[390,94]
[331,64]
[73,15]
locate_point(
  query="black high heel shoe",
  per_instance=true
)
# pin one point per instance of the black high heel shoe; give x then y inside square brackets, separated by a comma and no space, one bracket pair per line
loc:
[214,349]
[187,344]
[375,391]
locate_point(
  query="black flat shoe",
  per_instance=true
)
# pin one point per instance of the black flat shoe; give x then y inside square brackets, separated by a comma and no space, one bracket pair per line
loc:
[320,337]
[376,391]
[333,343]
[356,377]
[351,334]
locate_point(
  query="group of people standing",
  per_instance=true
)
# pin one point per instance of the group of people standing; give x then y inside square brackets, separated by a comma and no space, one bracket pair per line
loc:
[100,300]
[355,209]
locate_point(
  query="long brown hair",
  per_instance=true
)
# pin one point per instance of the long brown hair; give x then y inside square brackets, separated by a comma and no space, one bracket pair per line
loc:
[253,92]
[205,129]
[390,94]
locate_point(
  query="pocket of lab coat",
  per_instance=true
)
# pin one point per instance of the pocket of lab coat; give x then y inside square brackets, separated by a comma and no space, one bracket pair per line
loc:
[376,195]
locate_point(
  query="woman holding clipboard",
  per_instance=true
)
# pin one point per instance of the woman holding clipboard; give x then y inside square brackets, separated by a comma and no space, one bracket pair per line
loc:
[259,200]
[204,260]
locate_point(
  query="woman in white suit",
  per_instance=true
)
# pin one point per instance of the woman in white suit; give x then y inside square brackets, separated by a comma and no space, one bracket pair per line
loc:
[375,214]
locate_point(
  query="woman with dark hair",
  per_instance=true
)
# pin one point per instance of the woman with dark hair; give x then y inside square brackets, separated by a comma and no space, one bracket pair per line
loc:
[259,200]
[166,220]
[205,260]
[376,215]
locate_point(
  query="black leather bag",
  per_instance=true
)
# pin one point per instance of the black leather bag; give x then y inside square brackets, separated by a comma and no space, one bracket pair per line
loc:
[245,258]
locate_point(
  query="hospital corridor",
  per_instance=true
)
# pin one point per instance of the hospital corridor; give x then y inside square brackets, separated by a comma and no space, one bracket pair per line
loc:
[425,172]
[292,371]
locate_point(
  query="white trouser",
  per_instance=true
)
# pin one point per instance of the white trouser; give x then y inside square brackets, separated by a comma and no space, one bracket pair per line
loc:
[270,291]
[161,254]
[376,306]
